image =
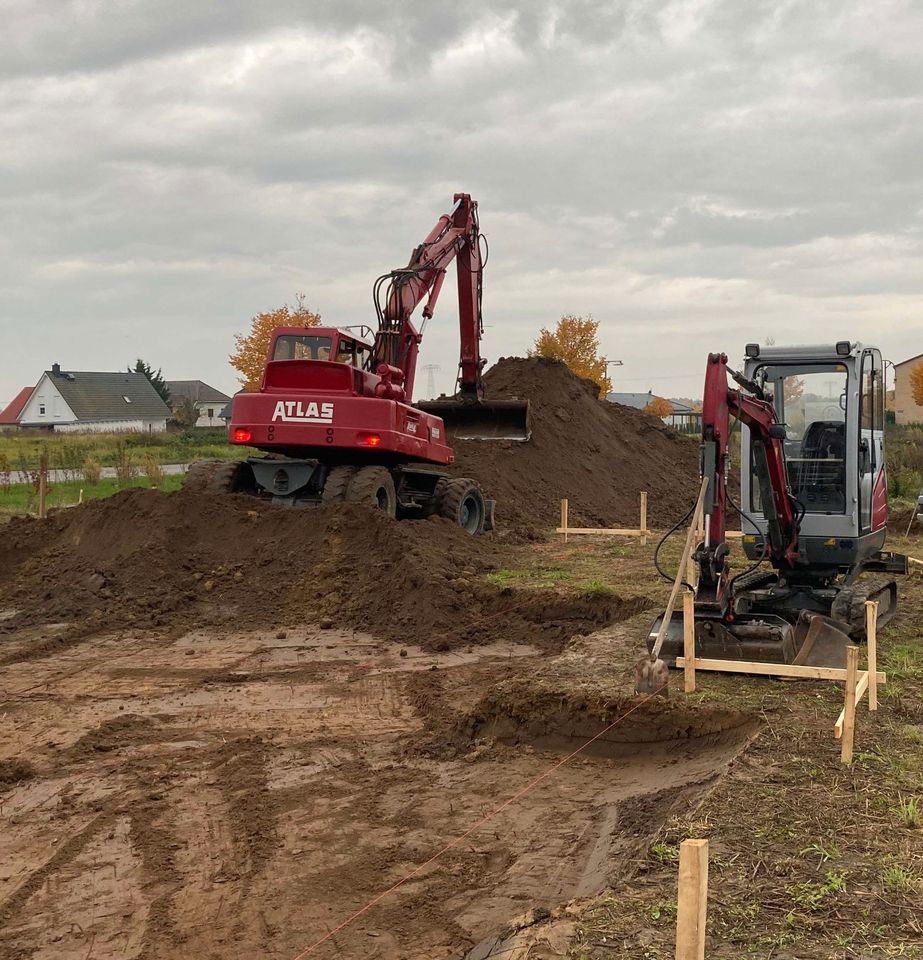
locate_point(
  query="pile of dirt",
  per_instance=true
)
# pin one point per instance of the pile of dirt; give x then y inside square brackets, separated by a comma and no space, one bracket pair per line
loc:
[597,454]
[148,559]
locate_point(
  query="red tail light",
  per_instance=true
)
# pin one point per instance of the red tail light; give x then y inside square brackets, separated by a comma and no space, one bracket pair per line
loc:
[242,436]
[370,439]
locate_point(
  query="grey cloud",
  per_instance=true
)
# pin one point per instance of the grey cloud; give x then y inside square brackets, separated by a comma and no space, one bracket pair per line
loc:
[167,170]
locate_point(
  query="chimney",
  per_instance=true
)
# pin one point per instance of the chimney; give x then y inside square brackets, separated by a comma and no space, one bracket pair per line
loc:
[56,369]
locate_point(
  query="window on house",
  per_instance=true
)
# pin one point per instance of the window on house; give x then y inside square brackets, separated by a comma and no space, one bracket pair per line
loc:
[211,413]
[41,409]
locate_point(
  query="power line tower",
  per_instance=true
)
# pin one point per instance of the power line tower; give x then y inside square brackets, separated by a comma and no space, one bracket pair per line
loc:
[431,370]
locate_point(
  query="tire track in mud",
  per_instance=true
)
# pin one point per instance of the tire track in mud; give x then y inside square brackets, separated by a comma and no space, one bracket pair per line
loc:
[65,854]
[156,845]
[242,771]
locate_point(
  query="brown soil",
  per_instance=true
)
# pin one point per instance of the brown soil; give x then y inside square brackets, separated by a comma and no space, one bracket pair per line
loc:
[144,558]
[169,818]
[598,455]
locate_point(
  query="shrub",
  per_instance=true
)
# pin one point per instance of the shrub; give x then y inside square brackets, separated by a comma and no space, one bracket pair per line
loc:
[152,470]
[92,470]
[124,464]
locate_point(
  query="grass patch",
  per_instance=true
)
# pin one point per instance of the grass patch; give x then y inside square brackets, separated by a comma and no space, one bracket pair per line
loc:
[21,498]
[22,451]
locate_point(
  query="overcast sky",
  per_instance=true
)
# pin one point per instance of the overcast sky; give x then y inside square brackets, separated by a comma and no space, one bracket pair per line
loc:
[693,174]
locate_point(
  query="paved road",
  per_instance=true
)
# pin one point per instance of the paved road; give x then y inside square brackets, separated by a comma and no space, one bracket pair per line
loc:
[59,476]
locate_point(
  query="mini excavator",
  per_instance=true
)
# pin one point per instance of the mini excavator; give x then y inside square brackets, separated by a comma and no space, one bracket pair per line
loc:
[813,508]
[334,412]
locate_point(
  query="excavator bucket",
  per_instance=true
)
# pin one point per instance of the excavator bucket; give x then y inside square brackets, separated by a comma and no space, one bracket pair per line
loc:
[813,640]
[481,419]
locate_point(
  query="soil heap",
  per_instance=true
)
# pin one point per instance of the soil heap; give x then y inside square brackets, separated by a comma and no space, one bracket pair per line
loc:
[599,455]
[143,558]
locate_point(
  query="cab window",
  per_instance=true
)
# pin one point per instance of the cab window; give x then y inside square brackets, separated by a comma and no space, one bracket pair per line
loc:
[292,346]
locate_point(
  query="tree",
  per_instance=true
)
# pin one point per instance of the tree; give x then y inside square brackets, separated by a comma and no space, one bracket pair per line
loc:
[659,407]
[186,413]
[575,340]
[916,383]
[157,381]
[250,356]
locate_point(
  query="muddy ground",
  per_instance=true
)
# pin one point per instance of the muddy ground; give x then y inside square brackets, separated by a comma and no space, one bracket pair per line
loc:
[182,781]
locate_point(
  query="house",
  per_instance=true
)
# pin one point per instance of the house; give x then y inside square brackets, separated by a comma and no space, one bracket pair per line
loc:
[906,410]
[682,415]
[208,401]
[68,402]
[9,415]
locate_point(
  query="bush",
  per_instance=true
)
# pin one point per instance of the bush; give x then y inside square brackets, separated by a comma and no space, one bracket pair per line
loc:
[152,470]
[92,470]
[124,464]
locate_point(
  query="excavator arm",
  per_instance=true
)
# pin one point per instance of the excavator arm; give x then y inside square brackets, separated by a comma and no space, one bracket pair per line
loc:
[752,407]
[399,293]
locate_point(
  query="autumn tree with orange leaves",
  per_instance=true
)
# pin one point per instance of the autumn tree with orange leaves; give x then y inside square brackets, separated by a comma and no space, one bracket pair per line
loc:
[659,407]
[250,356]
[575,340]
[916,384]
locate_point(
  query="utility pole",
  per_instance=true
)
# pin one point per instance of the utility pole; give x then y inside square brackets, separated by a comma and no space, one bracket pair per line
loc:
[431,370]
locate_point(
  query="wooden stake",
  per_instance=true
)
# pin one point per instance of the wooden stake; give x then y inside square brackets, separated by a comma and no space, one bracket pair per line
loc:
[861,687]
[689,641]
[564,506]
[692,900]
[644,518]
[42,485]
[849,705]
[871,631]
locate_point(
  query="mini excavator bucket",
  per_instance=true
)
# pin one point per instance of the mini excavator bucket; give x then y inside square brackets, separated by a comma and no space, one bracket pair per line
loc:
[481,419]
[812,640]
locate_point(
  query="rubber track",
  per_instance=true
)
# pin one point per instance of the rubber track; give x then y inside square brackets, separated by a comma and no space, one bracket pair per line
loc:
[849,605]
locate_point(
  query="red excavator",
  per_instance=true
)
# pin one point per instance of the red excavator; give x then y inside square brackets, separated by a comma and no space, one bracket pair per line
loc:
[813,508]
[334,414]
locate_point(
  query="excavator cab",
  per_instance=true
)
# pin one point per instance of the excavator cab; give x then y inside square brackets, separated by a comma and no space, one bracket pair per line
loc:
[831,401]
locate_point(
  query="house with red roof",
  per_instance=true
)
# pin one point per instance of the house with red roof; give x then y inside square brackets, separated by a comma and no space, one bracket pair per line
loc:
[10,414]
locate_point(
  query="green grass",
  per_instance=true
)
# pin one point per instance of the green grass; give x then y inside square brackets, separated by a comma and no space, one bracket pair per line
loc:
[22,450]
[21,498]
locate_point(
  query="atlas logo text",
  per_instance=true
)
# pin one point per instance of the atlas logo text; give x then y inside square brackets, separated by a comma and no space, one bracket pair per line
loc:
[294,411]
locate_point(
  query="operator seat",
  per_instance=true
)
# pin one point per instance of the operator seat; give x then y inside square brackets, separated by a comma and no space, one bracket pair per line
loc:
[822,477]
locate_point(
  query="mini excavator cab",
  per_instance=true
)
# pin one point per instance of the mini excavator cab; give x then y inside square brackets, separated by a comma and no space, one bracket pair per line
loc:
[831,400]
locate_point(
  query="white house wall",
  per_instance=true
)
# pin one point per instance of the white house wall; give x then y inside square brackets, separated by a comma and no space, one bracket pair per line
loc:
[46,406]
[203,407]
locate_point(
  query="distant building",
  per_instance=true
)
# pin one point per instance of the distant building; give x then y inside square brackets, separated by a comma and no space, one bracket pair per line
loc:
[683,416]
[71,401]
[208,401]
[9,416]
[906,410]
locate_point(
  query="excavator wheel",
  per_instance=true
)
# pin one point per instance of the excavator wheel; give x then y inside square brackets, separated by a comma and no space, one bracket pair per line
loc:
[337,484]
[461,501]
[219,476]
[375,487]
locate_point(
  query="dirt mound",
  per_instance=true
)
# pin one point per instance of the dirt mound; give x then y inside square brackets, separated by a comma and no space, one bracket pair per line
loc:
[149,559]
[597,454]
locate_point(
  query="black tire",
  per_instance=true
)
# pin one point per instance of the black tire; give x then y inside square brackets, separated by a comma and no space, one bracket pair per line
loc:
[462,501]
[431,507]
[374,487]
[338,479]
[219,476]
